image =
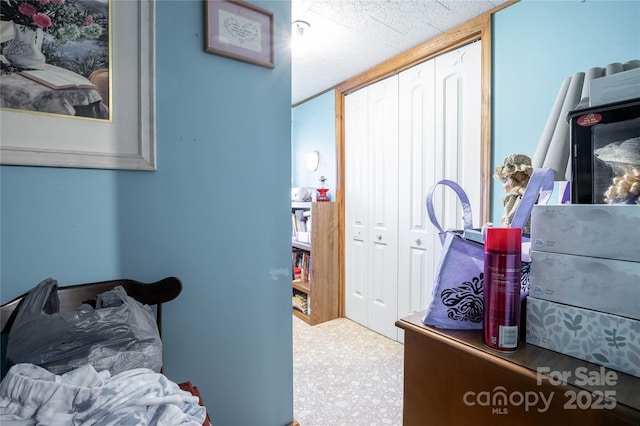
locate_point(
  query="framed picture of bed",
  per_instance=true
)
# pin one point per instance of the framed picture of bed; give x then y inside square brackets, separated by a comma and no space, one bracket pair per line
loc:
[115,127]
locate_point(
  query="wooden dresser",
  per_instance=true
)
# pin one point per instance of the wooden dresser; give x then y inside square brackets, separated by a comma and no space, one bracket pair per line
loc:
[451,378]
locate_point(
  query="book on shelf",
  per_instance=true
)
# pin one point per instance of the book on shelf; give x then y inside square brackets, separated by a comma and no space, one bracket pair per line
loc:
[297,272]
[301,225]
[300,301]
[301,265]
[307,215]
[301,222]
[57,78]
[294,228]
[307,271]
[295,269]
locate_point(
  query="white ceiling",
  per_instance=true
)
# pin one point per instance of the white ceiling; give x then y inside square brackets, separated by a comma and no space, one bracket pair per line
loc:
[347,37]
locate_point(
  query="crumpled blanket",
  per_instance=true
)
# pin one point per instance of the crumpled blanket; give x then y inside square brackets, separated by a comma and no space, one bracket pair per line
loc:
[31,395]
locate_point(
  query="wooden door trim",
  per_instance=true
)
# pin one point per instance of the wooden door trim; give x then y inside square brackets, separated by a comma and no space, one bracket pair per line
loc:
[339,111]
[475,29]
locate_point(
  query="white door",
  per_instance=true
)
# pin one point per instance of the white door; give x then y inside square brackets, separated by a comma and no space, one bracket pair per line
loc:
[439,139]
[417,240]
[371,206]
[383,233]
[458,90]
[402,135]
[356,198]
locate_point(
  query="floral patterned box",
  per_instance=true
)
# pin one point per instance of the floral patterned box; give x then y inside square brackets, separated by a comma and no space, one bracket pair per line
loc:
[604,285]
[596,230]
[605,339]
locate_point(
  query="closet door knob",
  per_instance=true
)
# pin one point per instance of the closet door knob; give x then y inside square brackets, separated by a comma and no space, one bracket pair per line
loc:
[418,241]
[379,237]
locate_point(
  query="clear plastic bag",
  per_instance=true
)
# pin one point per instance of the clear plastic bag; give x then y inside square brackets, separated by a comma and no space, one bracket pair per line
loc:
[119,334]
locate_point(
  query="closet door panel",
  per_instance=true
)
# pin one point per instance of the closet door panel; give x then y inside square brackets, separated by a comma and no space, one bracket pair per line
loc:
[457,76]
[383,234]
[420,288]
[439,139]
[383,145]
[356,206]
[416,175]
[450,145]
[358,279]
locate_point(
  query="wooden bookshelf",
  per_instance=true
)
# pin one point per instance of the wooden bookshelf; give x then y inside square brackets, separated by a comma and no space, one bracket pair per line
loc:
[321,288]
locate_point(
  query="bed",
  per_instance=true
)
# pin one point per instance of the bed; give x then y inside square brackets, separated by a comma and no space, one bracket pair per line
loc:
[86,392]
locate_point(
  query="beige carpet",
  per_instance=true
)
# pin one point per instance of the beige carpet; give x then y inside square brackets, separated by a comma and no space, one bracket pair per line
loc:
[345,374]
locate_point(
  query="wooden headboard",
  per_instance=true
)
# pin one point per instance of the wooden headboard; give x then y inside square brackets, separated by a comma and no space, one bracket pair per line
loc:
[71,297]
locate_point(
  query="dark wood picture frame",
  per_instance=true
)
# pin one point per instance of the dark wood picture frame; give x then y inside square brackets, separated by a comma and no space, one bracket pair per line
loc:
[239,30]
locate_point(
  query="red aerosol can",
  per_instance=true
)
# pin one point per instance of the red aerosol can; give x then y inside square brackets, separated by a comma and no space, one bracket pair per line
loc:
[502,271]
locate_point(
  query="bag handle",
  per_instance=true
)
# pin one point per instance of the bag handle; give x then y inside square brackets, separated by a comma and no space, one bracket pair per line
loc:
[467,216]
[540,183]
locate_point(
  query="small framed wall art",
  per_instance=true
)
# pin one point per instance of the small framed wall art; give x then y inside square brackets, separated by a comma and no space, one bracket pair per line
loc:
[240,31]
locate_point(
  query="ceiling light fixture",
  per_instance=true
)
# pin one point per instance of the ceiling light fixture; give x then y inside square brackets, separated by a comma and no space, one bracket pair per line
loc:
[299,27]
[298,37]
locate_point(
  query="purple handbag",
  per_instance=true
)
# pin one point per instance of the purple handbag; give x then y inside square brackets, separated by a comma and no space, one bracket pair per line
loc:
[457,298]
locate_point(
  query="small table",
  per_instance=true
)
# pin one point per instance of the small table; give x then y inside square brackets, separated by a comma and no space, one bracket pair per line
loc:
[21,93]
[452,378]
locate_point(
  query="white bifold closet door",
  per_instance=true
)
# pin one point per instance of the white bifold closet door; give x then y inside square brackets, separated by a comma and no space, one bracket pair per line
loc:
[440,138]
[371,206]
[395,150]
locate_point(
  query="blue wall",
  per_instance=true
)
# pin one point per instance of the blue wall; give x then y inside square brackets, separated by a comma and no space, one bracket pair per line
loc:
[214,214]
[313,128]
[536,45]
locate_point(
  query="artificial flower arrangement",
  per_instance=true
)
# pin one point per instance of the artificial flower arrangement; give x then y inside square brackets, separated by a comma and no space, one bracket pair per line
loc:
[64,20]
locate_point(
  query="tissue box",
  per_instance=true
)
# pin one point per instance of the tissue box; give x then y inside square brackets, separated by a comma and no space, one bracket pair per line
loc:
[605,285]
[605,339]
[598,230]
